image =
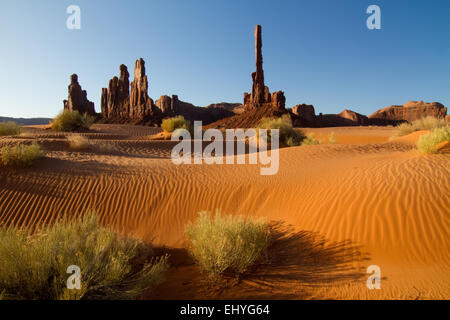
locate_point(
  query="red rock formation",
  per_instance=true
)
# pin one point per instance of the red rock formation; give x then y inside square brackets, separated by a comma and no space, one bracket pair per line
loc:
[278,100]
[77,99]
[116,99]
[104,102]
[260,94]
[140,103]
[305,111]
[167,105]
[258,89]
[354,117]
[410,111]
[164,103]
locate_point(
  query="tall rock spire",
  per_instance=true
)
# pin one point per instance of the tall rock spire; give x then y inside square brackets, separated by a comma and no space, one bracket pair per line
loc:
[258,78]
[115,99]
[77,100]
[260,93]
[140,103]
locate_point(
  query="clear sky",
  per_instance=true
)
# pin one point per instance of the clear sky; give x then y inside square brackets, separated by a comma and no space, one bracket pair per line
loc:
[317,52]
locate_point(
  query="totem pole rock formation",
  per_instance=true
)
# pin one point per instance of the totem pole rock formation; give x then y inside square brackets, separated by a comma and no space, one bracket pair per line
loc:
[258,89]
[260,94]
[77,99]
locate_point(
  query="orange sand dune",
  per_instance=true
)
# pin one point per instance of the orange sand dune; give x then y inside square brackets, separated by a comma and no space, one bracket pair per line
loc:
[339,208]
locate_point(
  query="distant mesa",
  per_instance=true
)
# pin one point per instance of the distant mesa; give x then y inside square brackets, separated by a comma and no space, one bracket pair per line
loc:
[305,111]
[410,111]
[26,121]
[77,99]
[304,116]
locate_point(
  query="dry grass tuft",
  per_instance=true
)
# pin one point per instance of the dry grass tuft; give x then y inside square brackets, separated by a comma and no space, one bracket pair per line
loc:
[426,123]
[34,265]
[171,124]
[21,155]
[226,243]
[78,142]
[428,142]
[9,128]
[288,135]
[70,121]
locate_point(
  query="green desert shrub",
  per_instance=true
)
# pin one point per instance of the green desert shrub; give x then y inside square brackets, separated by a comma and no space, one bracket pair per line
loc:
[288,135]
[427,143]
[171,124]
[426,123]
[21,155]
[9,128]
[34,265]
[310,140]
[332,138]
[69,120]
[226,243]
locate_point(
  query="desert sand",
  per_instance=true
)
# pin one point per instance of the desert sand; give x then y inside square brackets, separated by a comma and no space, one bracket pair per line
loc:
[335,208]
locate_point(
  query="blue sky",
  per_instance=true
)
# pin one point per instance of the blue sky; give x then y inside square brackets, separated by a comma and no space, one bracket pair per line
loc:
[318,52]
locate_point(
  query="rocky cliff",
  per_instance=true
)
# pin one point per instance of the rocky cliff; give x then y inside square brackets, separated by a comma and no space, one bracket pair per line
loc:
[410,111]
[77,99]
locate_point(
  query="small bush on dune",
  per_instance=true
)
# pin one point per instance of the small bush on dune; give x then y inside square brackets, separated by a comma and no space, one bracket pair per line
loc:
[288,135]
[171,124]
[34,265]
[9,128]
[226,243]
[310,140]
[69,121]
[332,138]
[21,154]
[78,142]
[426,123]
[427,143]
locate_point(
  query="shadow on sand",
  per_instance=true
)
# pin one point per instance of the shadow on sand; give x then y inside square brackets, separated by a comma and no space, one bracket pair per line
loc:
[297,266]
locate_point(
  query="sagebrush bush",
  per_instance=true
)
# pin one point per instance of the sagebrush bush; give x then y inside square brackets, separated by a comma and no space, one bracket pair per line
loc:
[69,120]
[332,138]
[226,243]
[427,143]
[171,124]
[34,265]
[288,135]
[9,128]
[78,142]
[21,155]
[310,140]
[426,123]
